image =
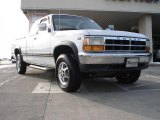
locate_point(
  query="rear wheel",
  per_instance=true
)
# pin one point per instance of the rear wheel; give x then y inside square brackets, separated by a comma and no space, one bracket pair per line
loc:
[20,64]
[67,73]
[129,77]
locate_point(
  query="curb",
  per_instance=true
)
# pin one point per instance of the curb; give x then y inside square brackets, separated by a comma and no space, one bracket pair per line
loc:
[154,64]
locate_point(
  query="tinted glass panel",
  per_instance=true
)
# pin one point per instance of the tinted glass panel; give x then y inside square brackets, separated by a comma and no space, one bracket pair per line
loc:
[66,22]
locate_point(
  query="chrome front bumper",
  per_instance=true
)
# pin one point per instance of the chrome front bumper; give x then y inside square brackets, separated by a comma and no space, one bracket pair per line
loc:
[112,58]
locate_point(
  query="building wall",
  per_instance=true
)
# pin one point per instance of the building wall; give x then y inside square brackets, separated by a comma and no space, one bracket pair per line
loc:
[98,5]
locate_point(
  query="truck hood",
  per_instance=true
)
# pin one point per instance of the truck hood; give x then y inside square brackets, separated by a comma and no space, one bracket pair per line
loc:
[99,33]
[114,33]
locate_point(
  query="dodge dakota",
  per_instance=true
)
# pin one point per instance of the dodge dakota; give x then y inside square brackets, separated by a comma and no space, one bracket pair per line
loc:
[77,46]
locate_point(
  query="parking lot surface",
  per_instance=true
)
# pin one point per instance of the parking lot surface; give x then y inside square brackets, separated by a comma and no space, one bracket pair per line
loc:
[36,96]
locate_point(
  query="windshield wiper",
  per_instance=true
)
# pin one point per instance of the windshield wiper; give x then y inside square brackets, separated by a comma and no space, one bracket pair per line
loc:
[67,29]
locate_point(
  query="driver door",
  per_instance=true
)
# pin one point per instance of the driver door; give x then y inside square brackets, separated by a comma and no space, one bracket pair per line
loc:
[42,46]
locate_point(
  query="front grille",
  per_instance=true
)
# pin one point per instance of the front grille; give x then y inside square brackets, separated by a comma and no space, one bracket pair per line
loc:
[127,45]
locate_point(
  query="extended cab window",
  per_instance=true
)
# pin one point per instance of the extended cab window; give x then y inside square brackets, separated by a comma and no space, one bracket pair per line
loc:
[65,22]
[34,28]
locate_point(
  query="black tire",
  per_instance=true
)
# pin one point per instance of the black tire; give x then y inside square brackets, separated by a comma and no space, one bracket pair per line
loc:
[129,77]
[67,73]
[20,64]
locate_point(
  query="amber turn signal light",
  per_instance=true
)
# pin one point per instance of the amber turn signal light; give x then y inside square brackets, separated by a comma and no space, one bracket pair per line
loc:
[93,47]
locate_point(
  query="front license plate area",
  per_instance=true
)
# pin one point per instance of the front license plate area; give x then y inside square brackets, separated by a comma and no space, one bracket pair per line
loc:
[131,62]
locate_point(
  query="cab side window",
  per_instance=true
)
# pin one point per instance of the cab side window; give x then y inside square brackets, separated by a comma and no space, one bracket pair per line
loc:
[34,29]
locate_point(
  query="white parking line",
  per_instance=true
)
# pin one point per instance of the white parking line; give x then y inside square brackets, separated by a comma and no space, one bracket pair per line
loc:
[144,76]
[121,87]
[8,80]
[156,77]
[145,90]
[44,87]
[142,85]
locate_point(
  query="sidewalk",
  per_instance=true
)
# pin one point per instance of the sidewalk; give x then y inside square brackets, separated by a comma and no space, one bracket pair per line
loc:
[7,66]
[5,62]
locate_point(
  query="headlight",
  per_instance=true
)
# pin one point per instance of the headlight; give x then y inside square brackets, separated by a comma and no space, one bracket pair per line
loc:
[93,44]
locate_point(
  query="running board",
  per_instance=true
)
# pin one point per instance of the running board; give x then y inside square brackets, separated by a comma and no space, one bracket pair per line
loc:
[40,68]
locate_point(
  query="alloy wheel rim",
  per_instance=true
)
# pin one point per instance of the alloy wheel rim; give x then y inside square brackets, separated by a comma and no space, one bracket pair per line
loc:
[18,63]
[63,73]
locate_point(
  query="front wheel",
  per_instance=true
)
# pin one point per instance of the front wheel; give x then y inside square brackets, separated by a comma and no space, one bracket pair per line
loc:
[67,73]
[20,64]
[129,77]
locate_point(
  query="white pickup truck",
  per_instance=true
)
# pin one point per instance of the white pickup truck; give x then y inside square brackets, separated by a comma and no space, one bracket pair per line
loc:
[77,46]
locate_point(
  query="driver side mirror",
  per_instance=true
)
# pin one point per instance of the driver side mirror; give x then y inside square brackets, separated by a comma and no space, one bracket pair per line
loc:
[42,26]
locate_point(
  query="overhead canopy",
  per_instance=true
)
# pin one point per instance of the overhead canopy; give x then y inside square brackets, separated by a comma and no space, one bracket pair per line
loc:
[141,6]
[123,14]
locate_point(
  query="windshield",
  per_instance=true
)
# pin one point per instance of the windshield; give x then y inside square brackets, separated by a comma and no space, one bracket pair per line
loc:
[66,22]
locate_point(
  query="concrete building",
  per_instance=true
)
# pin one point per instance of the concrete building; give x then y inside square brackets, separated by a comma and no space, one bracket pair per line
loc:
[141,16]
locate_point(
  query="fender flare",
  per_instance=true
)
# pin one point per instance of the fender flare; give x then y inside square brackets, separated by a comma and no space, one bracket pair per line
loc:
[69,44]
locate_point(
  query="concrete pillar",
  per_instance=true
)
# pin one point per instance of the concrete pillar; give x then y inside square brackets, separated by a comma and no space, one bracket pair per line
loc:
[145,27]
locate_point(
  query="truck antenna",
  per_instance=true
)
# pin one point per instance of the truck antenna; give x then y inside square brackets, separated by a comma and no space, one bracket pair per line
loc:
[59,14]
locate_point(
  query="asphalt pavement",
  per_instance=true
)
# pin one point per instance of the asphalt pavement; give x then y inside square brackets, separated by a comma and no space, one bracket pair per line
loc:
[36,96]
